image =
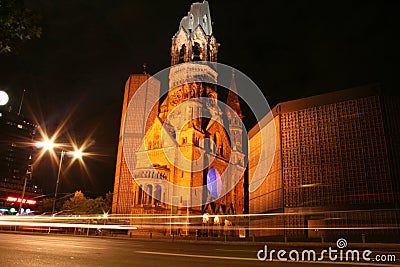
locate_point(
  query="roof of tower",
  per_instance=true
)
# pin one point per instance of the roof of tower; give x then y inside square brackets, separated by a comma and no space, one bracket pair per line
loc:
[199,15]
[233,100]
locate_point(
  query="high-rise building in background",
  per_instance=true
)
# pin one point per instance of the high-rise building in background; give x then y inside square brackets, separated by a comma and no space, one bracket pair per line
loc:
[143,189]
[16,146]
[336,168]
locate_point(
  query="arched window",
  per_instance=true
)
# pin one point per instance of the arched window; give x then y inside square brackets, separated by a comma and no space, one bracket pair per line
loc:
[149,191]
[158,193]
[213,143]
[214,183]
[182,53]
[217,139]
[196,52]
[218,143]
[140,194]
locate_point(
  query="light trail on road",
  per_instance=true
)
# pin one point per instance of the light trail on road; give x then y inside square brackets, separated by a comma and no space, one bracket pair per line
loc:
[157,222]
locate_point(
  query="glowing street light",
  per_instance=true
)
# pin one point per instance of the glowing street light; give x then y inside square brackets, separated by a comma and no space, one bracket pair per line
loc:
[205,218]
[3,98]
[216,222]
[46,144]
[216,219]
[76,154]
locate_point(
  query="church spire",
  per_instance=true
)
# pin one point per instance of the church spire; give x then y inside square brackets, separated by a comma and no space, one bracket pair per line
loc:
[233,99]
[235,124]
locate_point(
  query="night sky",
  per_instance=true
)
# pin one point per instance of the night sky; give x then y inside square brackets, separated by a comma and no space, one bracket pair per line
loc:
[290,49]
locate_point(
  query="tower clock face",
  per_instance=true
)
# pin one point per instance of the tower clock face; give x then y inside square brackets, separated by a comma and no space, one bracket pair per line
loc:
[3,98]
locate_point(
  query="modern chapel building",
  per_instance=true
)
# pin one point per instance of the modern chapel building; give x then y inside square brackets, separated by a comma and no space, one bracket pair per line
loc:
[336,168]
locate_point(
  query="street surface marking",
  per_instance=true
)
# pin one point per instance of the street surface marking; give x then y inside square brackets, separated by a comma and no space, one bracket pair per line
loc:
[221,249]
[197,256]
[74,246]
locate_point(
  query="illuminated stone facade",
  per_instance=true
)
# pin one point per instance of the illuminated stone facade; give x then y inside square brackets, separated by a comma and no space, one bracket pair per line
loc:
[123,183]
[336,165]
[199,127]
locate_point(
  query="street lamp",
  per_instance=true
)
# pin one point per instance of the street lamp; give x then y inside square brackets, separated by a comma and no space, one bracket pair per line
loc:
[216,219]
[206,218]
[49,145]
[28,173]
[216,222]
[58,180]
[105,217]
[46,144]
[76,154]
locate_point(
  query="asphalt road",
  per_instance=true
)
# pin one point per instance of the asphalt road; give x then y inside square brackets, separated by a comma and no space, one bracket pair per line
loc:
[63,250]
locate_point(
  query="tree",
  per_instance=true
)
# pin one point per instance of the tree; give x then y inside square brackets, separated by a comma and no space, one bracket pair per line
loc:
[79,204]
[45,205]
[108,202]
[17,25]
[76,204]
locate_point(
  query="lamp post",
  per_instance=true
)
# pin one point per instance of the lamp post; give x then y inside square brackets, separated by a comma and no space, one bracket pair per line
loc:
[45,145]
[49,145]
[216,222]
[205,221]
[58,180]
[77,154]
[28,173]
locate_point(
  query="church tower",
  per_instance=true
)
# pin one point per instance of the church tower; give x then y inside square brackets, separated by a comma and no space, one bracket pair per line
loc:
[194,42]
[235,125]
[191,141]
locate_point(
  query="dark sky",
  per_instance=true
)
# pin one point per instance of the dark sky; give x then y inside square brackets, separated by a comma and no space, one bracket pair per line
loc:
[290,49]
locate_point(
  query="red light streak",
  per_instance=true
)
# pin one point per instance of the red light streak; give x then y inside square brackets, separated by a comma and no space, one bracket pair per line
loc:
[19,200]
